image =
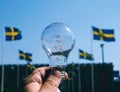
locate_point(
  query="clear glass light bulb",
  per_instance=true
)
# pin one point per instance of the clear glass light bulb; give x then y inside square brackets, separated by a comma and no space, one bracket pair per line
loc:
[57,40]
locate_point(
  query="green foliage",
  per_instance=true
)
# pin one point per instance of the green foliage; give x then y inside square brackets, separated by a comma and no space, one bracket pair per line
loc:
[103,77]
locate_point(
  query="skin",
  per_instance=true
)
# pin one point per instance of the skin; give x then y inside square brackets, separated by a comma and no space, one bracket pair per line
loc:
[41,81]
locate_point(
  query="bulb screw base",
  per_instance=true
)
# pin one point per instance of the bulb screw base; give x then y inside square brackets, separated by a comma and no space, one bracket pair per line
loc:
[63,74]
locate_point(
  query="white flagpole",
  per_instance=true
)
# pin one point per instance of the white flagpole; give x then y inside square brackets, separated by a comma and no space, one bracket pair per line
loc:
[92,65]
[79,78]
[72,83]
[26,69]
[102,48]
[92,76]
[79,87]
[18,74]
[3,60]
[68,85]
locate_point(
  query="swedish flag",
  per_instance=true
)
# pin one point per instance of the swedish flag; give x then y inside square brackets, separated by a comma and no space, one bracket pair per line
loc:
[31,67]
[25,56]
[12,34]
[85,55]
[103,34]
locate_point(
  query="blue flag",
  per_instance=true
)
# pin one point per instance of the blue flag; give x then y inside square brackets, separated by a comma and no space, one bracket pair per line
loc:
[12,34]
[103,34]
[31,67]
[85,55]
[25,56]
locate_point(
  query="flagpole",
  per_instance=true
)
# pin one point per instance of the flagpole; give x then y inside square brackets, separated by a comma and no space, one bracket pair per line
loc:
[72,83]
[26,70]
[92,76]
[79,85]
[102,48]
[92,65]
[79,78]
[18,74]
[3,60]
[68,85]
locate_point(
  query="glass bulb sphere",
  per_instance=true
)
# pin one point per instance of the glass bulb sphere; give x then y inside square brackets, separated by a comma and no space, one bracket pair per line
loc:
[57,40]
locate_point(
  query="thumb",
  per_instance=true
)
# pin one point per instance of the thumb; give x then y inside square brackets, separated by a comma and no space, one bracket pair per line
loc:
[52,82]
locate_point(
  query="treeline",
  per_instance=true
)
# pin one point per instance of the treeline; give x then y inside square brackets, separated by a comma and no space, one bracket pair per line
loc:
[80,77]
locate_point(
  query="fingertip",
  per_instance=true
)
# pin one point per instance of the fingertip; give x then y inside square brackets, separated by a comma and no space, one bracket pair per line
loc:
[57,74]
[52,82]
[61,74]
[66,76]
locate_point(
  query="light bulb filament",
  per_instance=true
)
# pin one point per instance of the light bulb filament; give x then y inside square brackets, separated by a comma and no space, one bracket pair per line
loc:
[61,47]
[59,41]
[57,35]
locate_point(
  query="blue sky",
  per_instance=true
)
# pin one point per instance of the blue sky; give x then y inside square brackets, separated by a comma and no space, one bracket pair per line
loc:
[32,16]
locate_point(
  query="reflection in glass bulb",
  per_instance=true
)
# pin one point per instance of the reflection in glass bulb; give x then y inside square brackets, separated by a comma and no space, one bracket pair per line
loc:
[57,40]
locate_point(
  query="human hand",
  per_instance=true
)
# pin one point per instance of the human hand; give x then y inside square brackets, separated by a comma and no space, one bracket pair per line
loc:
[40,81]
